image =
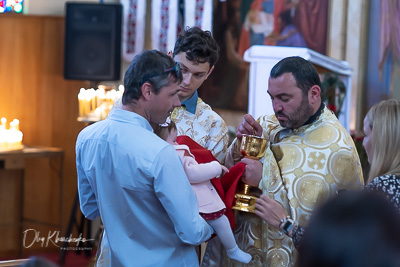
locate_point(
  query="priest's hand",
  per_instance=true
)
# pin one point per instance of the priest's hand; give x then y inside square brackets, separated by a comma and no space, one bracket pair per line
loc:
[248,126]
[252,172]
[270,210]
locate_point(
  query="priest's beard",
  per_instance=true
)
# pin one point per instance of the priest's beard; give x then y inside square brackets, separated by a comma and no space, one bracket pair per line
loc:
[299,116]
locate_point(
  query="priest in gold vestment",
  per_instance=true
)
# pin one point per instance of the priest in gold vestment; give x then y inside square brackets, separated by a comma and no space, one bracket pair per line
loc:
[309,158]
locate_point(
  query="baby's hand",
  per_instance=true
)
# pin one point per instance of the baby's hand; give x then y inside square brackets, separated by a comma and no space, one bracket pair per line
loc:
[225,169]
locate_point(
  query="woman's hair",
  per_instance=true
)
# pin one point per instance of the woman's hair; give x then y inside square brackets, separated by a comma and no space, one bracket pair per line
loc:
[354,229]
[164,130]
[384,120]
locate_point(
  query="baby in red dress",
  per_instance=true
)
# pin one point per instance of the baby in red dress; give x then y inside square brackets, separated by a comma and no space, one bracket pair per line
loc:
[211,206]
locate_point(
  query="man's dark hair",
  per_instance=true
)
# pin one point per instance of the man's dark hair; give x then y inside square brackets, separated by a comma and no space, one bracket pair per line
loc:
[198,45]
[302,70]
[148,66]
[352,229]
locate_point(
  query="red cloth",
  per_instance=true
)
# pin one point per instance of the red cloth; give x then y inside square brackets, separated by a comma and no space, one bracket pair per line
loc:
[226,186]
[230,182]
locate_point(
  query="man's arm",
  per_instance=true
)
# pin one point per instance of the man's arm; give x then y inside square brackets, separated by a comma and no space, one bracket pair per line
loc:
[253,171]
[87,197]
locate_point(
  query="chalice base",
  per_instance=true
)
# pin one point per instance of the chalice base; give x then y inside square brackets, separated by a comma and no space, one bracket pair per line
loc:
[245,203]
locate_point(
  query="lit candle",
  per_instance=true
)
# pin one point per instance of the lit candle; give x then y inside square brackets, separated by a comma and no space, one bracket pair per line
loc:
[100,96]
[95,104]
[10,139]
[3,123]
[14,139]
[14,135]
[88,103]
[121,89]
[81,99]
[14,125]
[92,100]
[3,133]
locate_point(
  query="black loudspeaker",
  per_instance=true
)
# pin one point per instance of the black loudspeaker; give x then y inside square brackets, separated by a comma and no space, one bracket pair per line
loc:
[92,41]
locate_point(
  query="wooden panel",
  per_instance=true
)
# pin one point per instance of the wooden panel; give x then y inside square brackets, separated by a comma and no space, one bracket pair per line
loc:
[10,181]
[33,90]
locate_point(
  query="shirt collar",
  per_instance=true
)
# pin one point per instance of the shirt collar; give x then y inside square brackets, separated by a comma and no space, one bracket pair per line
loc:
[129,117]
[191,103]
[316,115]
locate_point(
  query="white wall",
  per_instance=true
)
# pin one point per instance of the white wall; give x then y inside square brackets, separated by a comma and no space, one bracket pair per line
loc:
[52,7]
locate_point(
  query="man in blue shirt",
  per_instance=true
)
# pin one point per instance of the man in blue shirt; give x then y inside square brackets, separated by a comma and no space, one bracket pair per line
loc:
[134,180]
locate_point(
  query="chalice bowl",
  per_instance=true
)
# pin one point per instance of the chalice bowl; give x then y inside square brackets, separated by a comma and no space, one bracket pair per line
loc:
[252,147]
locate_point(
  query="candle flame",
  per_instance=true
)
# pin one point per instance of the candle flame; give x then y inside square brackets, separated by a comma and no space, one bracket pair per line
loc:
[10,139]
[95,104]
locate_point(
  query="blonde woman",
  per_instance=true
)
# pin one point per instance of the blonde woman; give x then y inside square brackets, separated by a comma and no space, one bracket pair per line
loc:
[382,144]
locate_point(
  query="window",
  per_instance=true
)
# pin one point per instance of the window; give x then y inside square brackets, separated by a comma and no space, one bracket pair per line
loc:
[11,6]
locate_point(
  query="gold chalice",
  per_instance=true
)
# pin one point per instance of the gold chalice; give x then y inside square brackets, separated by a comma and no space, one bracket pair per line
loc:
[252,147]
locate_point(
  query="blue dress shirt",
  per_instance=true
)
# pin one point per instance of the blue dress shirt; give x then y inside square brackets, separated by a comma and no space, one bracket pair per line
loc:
[135,182]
